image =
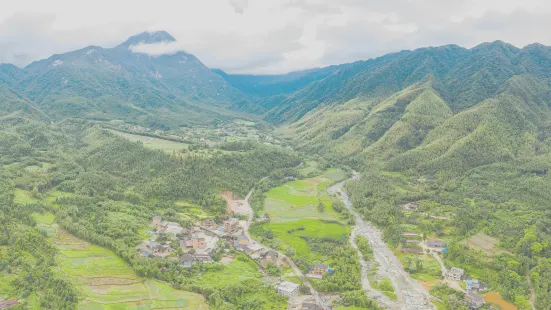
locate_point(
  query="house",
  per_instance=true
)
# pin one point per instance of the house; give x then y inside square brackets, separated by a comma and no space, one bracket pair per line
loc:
[436,244]
[410,234]
[474,300]
[270,257]
[156,220]
[320,269]
[287,289]
[152,246]
[412,251]
[475,285]
[188,260]
[231,225]
[241,240]
[209,224]
[410,207]
[455,274]
[173,228]
[195,241]
[412,241]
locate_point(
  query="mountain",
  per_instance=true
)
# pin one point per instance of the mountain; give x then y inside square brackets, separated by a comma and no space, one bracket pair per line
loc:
[117,83]
[439,111]
[10,74]
[463,77]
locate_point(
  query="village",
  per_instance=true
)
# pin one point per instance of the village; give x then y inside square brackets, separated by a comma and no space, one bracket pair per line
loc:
[454,277]
[198,244]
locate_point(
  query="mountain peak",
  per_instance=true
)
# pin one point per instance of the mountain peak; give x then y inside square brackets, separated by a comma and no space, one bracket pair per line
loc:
[148,38]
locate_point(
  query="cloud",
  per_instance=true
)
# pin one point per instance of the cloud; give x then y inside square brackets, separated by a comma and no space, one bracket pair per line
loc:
[239,5]
[257,36]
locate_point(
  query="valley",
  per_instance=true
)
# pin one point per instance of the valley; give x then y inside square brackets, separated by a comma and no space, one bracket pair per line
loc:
[416,180]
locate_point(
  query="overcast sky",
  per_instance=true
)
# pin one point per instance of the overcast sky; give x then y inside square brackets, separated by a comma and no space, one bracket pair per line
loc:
[269,36]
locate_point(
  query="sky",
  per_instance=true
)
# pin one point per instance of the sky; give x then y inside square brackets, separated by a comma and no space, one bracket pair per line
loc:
[268,36]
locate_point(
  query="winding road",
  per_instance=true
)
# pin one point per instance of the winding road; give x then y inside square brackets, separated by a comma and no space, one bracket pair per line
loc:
[411,295]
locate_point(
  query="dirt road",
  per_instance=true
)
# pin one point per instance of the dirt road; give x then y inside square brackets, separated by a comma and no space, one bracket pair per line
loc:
[411,295]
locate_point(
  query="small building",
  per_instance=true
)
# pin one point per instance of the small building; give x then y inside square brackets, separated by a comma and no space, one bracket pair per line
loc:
[474,300]
[412,251]
[320,269]
[270,257]
[156,220]
[455,274]
[410,207]
[475,285]
[412,241]
[188,260]
[152,246]
[209,224]
[287,289]
[231,225]
[436,244]
[173,228]
[410,234]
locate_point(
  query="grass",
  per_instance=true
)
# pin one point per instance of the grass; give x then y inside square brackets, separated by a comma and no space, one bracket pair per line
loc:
[313,228]
[236,272]
[23,197]
[108,282]
[154,143]
[334,174]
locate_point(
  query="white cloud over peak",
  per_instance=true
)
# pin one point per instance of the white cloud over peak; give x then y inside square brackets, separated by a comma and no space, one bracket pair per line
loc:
[257,36]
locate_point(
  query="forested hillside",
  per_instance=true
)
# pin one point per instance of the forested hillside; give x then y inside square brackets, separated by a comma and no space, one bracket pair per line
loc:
[465,133]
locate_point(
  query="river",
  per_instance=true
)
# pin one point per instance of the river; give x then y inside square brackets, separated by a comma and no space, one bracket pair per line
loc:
[411,294]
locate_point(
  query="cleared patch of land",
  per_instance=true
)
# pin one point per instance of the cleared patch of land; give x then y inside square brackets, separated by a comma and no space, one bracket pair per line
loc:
[481,242]
[495,298]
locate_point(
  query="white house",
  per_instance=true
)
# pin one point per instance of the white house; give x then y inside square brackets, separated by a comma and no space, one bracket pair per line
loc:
[287,289]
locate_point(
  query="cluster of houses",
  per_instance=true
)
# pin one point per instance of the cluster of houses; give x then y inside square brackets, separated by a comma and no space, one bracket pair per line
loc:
[197,243]
[473,286]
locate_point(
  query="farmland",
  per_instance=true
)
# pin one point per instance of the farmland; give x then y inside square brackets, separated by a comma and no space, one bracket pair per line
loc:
[299,199]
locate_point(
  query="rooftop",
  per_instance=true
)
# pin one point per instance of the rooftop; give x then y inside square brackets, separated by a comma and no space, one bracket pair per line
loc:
[287,286]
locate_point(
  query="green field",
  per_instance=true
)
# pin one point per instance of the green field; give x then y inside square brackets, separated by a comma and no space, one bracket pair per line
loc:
[154,143]
[312,228]
[294,205]
[107,282]
[299,199]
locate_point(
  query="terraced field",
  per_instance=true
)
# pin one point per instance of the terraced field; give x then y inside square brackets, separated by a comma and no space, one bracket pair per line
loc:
[107,282]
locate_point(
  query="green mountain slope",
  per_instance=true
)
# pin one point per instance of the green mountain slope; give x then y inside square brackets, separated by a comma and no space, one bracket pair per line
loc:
[117,83]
